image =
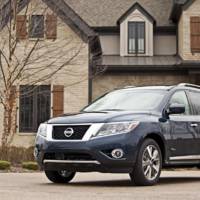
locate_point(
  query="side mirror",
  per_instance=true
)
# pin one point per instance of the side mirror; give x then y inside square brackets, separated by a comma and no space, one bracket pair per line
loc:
[176,109]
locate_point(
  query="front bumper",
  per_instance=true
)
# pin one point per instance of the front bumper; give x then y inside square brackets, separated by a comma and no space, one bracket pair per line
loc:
[57,155]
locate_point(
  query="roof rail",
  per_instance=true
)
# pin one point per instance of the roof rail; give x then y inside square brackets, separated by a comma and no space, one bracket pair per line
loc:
[126,87]
[129,86]
[189,85]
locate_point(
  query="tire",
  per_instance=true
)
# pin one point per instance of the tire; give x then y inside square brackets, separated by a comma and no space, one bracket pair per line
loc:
[60,176]
[148,166]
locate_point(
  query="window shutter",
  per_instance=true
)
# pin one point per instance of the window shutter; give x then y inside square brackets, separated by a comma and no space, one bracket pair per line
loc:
[195,34]
[21,30]
[58,100]
[51,26]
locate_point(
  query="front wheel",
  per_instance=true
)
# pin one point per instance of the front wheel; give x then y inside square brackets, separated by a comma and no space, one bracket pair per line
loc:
[149,163]
[60,176]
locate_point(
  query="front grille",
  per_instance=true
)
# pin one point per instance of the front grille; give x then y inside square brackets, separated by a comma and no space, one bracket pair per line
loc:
[75,132]
[68,156]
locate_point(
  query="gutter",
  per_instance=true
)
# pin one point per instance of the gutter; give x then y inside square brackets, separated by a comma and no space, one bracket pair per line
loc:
[178,7]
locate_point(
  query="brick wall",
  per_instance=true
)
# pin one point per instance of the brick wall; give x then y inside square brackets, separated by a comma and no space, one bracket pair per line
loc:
[105,83]
[74,77]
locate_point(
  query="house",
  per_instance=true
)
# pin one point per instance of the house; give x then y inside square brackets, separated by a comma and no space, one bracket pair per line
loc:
[125,42]
[146,42]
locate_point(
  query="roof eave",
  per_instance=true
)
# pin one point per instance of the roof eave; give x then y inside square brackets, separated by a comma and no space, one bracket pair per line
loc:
[72,19]
[185,68]
[178,8]
[134,7]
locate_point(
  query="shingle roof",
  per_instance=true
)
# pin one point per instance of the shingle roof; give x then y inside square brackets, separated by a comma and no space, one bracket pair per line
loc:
[101,13]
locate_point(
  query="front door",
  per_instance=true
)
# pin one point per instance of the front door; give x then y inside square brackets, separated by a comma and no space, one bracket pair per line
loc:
[184,136]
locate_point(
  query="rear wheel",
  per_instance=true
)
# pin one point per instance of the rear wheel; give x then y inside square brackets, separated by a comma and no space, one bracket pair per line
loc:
[60,176]
[149,163]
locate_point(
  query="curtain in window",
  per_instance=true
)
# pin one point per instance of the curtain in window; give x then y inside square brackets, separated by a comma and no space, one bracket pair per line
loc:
[132,37]
[141,35]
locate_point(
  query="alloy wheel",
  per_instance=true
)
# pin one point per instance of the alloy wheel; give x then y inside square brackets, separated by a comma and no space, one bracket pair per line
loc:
[65,173]
[151,163]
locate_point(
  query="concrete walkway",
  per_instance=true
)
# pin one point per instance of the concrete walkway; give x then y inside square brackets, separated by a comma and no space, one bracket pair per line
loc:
[181,185]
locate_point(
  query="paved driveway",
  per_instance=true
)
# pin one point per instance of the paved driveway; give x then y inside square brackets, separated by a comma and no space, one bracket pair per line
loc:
[182,185]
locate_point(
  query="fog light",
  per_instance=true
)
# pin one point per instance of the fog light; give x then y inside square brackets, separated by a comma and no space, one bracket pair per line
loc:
[117,153]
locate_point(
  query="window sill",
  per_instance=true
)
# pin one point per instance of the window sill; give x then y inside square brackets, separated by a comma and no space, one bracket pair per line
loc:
[36,39]
[41,39]
[195,52]
[27,134]
[137,55]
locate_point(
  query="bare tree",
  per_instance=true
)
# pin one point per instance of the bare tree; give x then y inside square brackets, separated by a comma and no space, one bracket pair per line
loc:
[30,62]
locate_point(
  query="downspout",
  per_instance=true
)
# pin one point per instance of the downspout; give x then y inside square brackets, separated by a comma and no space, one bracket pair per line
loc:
[177,39]
[90,82]
[95,54]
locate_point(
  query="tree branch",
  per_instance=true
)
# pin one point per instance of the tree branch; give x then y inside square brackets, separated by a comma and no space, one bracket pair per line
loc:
[2,71]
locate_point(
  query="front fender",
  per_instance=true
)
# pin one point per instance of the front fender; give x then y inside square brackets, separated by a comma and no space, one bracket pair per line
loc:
[153,131]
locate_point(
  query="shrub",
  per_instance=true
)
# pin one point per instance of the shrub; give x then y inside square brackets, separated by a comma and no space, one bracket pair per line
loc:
[4,165]
[30,165]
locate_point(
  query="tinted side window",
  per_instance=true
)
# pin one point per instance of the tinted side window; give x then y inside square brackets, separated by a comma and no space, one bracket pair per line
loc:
[195,99]
[181,98]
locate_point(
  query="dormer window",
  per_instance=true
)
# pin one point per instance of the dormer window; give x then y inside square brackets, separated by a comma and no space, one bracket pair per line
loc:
[136,38]
[136,32]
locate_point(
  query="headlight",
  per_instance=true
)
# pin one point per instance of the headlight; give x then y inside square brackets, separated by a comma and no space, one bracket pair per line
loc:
[116,128]
[42,130]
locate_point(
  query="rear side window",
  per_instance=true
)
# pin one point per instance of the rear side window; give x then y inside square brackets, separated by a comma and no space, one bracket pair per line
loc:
[195,99]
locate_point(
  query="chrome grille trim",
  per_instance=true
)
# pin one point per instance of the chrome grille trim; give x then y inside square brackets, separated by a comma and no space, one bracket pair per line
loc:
[72,162]
[93,129]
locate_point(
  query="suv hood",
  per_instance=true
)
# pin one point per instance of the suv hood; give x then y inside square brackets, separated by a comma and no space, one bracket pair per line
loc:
[101,117]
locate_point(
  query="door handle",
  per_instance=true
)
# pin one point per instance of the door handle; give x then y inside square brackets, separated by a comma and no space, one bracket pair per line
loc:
[194,125]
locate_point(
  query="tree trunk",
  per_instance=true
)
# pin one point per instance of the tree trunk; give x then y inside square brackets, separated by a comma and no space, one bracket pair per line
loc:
[9,118]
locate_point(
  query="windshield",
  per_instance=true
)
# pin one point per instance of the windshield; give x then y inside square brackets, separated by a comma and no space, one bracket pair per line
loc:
[126,99]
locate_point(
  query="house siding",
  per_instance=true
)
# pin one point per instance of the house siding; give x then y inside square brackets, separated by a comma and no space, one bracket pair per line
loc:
[110,44]
[184,32]
[163,44]
[75,80]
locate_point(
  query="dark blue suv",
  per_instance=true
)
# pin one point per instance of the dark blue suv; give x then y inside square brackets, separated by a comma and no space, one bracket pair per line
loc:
[135,130]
